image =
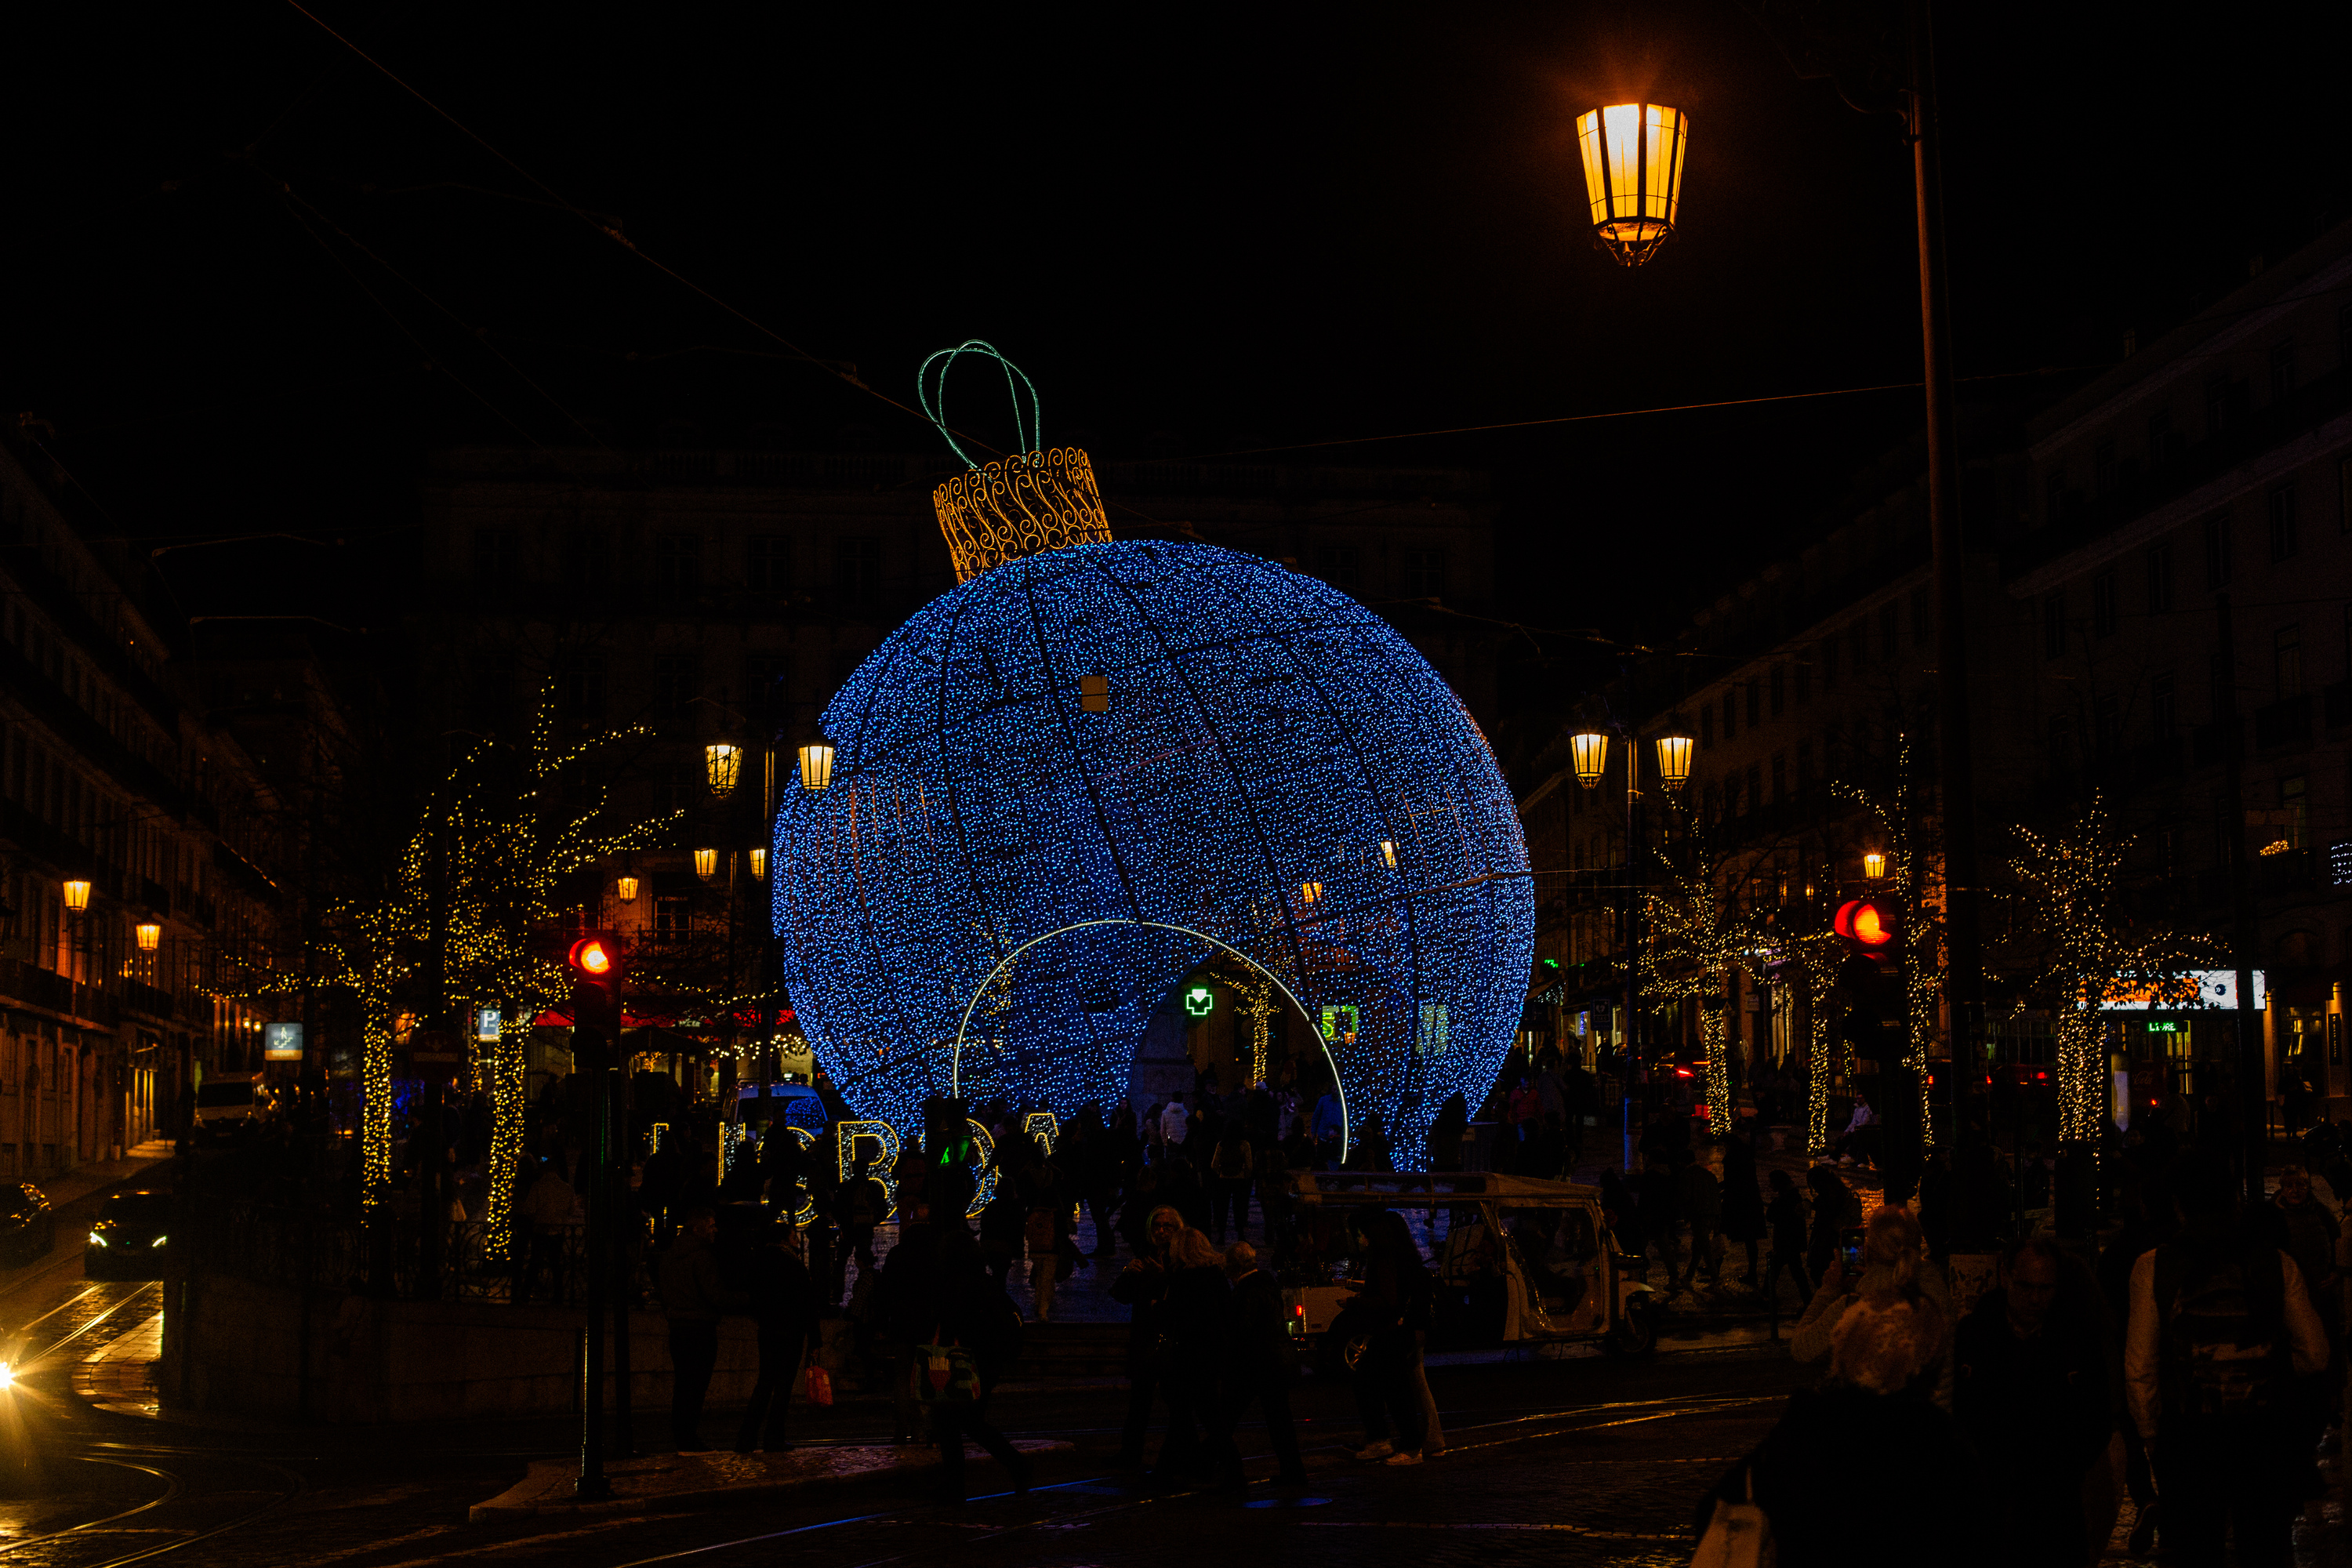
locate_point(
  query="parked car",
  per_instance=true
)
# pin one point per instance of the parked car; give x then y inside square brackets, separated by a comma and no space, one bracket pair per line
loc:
[28,1226]
[128,1239]
[229,1103]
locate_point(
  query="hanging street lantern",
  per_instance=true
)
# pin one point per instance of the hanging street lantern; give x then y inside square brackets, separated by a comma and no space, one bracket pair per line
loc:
[721,762]
[705,864]
[1591,753]
[625,888]
[758,857]
[1387,852]
[76,896]
[1633,176]
[1874,865]
[1674,759]
[1308,892]
[816,766]
[150,934]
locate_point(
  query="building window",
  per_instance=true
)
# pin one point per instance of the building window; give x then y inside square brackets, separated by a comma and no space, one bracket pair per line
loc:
[2054,624]
[2163,440]
[1890,630]
[768,563]
[1804,678]
[2102,605]
[2294,803]
[2160,708]
[2282,370]
[2159,579]
[1755,785]
[1804,767]
[2102,469]
[2286,659]
[678,566]
[1424,573]
[1714,811]
[587,556]
[767,680]
[2283,522]
[1755,703]
[2217,552]
[677,677]
[580,687]
[2107,725]
[1730,714]
[857,571]
[1779,777]
[1779,677]
[1857,636]
[1706,726]
[672,924]
[496,558]
[1342,566]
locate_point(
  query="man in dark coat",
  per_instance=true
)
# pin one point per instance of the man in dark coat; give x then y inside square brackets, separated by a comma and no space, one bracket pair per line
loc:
[1257,1367]
[693,1301]
[2030,1391]
[975,1313]
[1142,1287]
[784,1303]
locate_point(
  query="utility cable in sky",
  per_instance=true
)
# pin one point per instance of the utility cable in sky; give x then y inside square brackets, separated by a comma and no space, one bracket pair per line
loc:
[611,231]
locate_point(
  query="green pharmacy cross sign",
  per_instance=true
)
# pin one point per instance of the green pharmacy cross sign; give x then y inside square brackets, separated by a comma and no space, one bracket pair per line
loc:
[1200,1000]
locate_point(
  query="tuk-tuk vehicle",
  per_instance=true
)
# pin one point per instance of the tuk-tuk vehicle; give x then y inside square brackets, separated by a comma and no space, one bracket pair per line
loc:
[1534,1258]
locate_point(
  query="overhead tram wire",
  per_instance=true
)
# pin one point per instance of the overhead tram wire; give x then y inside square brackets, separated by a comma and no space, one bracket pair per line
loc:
[613,231]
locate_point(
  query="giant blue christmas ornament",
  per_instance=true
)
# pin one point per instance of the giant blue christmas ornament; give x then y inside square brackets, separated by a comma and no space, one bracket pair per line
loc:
[1087,730]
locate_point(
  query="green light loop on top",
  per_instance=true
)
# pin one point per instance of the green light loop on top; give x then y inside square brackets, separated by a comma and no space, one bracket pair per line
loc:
[932,390]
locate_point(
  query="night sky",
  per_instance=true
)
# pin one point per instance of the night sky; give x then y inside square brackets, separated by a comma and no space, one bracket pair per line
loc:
[252,280]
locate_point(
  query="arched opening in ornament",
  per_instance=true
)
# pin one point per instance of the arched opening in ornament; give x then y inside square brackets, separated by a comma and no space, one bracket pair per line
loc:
[1256,975]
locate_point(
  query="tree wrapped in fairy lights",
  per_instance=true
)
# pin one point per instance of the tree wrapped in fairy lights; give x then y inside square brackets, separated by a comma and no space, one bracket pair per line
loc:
[2094,949]
[1915,875]
[486,867]
[1698,935]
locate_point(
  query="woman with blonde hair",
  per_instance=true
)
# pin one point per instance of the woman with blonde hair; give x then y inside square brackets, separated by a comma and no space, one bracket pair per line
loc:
[1820,1477]
[1894,1266]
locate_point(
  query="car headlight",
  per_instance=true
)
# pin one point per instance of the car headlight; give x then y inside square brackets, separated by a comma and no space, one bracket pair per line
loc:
[158,1241]
[96,1239]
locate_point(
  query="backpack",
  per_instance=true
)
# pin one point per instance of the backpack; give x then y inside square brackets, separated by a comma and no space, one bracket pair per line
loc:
[2223,1322]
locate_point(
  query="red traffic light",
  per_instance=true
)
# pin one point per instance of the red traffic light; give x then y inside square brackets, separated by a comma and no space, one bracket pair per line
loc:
[593,956]
[1866,922]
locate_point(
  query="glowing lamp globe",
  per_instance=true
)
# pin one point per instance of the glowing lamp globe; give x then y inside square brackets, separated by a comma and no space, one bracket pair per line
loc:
[1589,753]
[1633,176]
[1281,772]
[1674,759]
[76,895]
[150,936]
[720,765]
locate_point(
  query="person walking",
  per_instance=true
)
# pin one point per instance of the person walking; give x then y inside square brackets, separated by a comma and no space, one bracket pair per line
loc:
[2221,1328]
[1743,1201]
[693,1303]
[1142,1288]
[1229,1169]
[861,1204]
[1044,1234]
[2030,1392]
[1834,1208]
[1174,1127]
[1894,1264]
[972,1312]
[550,1215]
[1659,1197]
[1786,1218]
[1395,1303]
[784,1305]
[1194,1326]
[1258,1367]
[1699,1196]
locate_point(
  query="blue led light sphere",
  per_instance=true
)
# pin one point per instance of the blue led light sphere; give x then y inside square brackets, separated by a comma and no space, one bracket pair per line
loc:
[1277,768]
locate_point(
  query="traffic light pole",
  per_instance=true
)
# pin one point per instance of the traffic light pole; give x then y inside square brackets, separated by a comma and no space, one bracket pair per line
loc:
[2253,1086]
[1963,887]
[592,1484]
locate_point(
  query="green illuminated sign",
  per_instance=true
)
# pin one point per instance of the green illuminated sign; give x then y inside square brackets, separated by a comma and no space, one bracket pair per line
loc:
[1340,1024]
[1200,1000]
[2163,1026]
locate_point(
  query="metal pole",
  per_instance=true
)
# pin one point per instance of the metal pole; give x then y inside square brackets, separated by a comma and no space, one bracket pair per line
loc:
[1963,930]
[593,1483]
[2253,1097]
[624,1438]
[1632,917]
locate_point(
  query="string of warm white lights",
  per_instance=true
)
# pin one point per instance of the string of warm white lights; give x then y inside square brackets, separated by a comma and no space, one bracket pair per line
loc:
[2069,886]
[1919,886]
[1698,936]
